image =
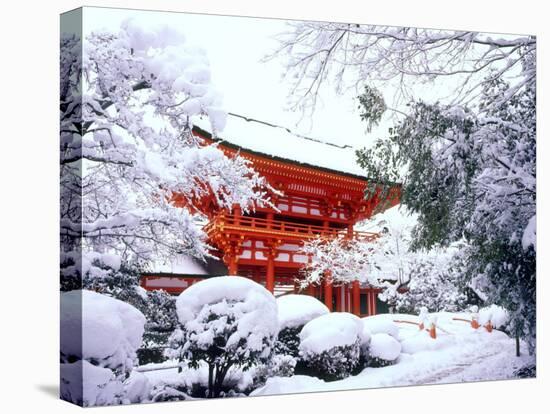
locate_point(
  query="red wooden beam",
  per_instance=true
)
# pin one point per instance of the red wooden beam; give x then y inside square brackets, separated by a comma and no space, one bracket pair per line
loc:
[356,301]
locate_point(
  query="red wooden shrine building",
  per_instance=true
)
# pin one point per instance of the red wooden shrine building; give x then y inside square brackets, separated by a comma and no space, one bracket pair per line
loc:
[322,195]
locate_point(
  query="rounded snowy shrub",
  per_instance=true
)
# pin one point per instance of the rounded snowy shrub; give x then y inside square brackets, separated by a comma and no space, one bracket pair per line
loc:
[192,383]
[88,385]
[365,338]
[330,346]
[381,324]
[226,322]
[383,350]
[294,311]
[496,315]
[99,335]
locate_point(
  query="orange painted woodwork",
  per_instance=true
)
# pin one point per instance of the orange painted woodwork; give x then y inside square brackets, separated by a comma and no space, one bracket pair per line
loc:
[356,297]
[309,202]
[328,294]
[340,304]
[433,333]
[270,275]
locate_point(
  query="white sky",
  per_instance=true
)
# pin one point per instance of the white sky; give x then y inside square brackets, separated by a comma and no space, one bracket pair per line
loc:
[235,46]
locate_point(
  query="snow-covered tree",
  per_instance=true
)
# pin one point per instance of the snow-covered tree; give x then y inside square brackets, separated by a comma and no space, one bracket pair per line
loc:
[466,158]
[402,58]
[337,260]
[433,283]
[226,322]
[470,174]
[391,255]
[128,100]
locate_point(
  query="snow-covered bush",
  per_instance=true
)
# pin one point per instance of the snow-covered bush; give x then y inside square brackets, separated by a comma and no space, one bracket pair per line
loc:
[330,345]
[89,385]
[380,324]
[100,336]
[496,315]
[294,311]
[128,102]
[137,388]
[365,338]
[226,322]
[381,344]
[192,383]
[282,366]
[383,350]
[158,307]
[278,366]
[434,282]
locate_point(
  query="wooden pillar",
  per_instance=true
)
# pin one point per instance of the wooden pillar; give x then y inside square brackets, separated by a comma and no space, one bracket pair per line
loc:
[356,300]
[236,214]
[350,231]
[326,226]
[328,292]
[232,265]
[340,299]
[311,290]
[371,301]
[270,273]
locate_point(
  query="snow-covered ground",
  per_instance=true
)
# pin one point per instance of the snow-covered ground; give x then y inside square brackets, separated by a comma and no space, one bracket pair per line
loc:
[458,354]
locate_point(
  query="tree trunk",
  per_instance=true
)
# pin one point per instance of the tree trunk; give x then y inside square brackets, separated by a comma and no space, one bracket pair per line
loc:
[517,346]
[210,380]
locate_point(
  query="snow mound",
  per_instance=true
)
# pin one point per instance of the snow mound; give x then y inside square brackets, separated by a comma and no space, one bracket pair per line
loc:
[254,307]
[365,335]
[494,313]
[111,330]
[384,346]
[329,331]
[297,310]
[89,385]
[379,324]
[423,342]
[137,388]
[289,385]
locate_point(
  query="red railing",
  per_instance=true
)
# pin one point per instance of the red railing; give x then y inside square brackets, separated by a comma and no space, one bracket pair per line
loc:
[225,222]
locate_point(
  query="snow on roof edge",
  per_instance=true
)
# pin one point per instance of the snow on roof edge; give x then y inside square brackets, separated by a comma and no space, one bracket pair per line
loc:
[203,127]
[278,158]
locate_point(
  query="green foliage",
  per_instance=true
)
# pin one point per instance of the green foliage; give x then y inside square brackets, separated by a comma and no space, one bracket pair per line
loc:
[434,283]
[379,362]
[372,107]
[331,365]
[157,306]
[213,338]
[469,174]
[288,341]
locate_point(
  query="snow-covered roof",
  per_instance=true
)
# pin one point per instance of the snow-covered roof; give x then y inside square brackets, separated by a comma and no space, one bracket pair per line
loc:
[279,142]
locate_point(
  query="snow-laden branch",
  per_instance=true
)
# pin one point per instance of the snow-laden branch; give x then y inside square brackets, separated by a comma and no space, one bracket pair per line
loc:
[351,55]
[127,148]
